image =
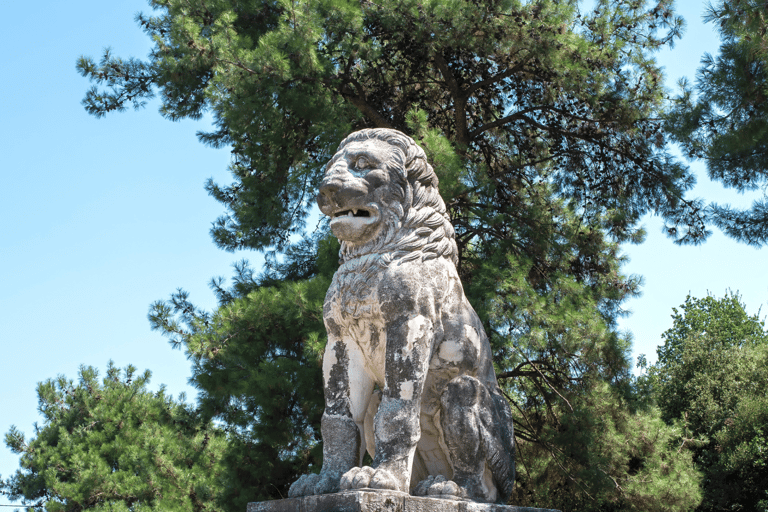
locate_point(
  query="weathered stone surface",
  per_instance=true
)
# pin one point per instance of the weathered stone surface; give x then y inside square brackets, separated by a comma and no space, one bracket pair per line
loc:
[407,368]
[368,500]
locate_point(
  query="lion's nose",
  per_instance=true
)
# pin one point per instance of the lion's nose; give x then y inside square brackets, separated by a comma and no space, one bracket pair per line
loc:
[326,192]
[328,188]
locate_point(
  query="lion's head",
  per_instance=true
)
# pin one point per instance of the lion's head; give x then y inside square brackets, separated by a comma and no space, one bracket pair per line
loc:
[382,197]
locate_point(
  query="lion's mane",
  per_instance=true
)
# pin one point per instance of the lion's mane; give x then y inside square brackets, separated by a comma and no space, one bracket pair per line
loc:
[416,223]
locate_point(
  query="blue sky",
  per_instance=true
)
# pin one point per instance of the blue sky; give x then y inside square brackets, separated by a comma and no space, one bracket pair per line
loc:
[101,217]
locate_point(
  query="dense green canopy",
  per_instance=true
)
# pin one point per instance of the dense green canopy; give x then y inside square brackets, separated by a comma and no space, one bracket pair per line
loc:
[543,122]
[112,445]
[515,100]
[712,379]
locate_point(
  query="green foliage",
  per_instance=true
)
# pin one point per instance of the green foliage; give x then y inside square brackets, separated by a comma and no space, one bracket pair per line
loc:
[724,321]
[601,456]
[257,364]
[712,379]
[724,118]
[113,445]
[522,92]
[542,123]
[582,445]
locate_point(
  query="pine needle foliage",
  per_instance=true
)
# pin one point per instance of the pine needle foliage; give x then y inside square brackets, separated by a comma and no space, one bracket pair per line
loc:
[257,363]
[723,118]
[514,87]
[600,456]
[112,445]
[543,120]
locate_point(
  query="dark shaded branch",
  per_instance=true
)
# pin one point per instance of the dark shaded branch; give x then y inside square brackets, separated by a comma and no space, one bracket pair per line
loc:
[361,103]
[459,101]
[496,78]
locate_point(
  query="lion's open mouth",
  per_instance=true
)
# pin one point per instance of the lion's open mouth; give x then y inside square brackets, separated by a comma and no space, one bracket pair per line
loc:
[356,224]
[352,213]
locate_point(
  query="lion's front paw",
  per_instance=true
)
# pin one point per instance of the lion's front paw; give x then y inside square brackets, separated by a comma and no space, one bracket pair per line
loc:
[304,486]
[380,478]
[357,478]
[307,485]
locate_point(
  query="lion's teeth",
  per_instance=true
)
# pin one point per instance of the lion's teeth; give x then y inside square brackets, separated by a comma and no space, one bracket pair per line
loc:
[354,211]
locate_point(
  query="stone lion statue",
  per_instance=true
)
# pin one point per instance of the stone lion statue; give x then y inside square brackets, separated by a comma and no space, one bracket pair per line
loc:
[407,369]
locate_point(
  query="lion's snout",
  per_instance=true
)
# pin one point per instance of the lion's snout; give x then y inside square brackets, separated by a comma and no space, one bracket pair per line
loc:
[336,193]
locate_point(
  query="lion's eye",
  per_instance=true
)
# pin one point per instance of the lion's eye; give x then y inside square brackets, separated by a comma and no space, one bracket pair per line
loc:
[362,163]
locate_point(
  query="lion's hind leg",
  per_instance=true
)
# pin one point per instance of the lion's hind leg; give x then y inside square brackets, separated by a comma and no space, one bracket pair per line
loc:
[478,434]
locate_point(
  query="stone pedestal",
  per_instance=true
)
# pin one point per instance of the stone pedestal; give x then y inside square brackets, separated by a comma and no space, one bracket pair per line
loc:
[379,501]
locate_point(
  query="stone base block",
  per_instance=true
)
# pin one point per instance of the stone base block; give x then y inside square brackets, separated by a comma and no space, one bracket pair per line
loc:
[365,500]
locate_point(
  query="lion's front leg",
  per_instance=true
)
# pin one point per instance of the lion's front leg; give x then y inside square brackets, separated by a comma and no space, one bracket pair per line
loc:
[397,425]
[348,389]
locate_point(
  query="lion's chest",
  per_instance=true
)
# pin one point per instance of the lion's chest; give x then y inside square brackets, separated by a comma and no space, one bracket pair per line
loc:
[352,313]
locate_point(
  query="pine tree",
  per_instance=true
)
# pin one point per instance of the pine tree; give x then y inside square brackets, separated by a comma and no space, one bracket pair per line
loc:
[113,445]
[510,97]
[724,118]
[543,123]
